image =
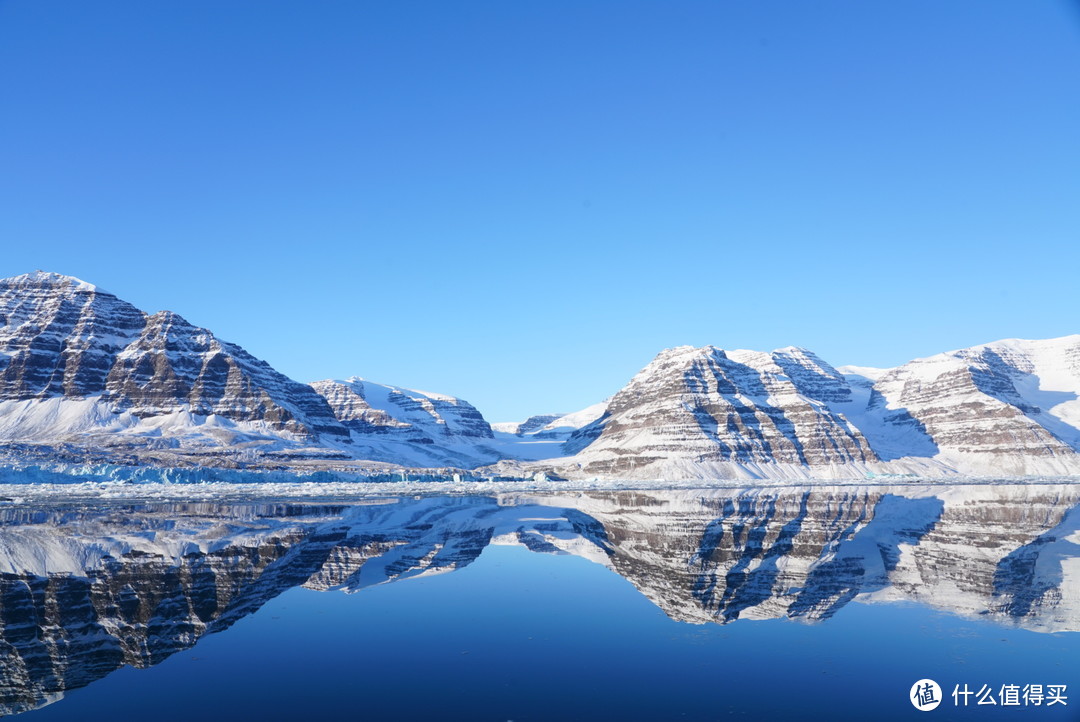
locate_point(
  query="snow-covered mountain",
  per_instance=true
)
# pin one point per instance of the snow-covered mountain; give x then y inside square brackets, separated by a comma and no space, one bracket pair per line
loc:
[425,429]
[723,412]
[544,436]
[405,426]
[85,376]
[1006,408]
[1003,409]
[528,426]
[83,369]
[556,427]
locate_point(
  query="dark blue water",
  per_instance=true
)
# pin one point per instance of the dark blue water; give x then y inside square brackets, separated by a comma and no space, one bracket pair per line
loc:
[518,634]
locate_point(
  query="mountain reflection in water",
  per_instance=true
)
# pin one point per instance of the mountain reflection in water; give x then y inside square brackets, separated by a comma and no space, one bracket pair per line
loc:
[87,590]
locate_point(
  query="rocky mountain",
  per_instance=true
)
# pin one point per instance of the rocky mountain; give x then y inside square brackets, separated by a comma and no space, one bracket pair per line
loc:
[717,409]
[87,377]
[528,426]
[1008,408]
[86,590]
[79,366]
[409,427]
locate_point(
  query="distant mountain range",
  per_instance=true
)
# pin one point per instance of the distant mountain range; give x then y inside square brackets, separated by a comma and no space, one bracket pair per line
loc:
[87,377]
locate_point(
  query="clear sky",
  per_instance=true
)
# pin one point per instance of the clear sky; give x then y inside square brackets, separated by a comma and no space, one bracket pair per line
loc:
[521,203]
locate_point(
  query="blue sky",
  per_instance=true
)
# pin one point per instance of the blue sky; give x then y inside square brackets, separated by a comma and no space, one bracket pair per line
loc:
[521,203]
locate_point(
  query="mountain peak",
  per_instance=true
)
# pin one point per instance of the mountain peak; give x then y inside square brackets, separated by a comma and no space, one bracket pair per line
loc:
[685,354]
[796,351]
[110,376]
[48,279]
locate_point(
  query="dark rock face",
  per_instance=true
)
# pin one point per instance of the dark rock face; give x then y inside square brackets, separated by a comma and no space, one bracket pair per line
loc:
[812,377]
[351,408]
[64,338]
[581,438]
[976,423]
[60,337]
[453,417]
[175,366]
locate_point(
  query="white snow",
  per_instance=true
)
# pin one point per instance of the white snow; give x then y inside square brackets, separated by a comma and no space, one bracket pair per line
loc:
[577,419]
[870,373]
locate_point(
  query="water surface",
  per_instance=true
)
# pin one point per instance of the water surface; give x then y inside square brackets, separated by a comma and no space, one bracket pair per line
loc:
[816,603]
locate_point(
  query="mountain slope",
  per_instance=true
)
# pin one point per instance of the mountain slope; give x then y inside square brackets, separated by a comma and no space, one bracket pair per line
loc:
[553,426]
[80,366]
[1006,408]
[705,405]
[405,426]
[545,436]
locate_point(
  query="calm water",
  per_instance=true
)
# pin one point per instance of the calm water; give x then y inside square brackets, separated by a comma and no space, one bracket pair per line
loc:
[824,603]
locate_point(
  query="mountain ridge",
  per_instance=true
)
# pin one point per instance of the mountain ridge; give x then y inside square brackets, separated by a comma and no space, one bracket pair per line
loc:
[84,372]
